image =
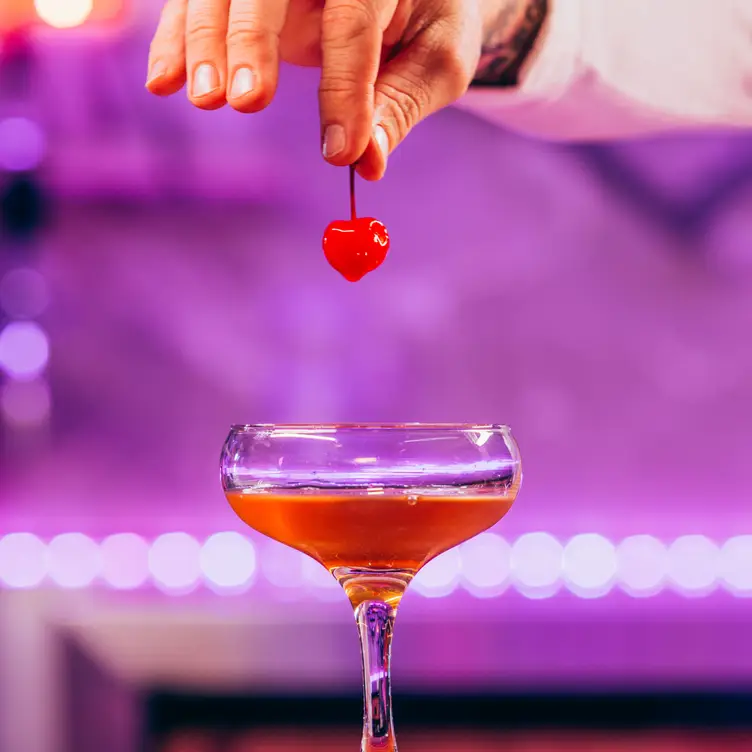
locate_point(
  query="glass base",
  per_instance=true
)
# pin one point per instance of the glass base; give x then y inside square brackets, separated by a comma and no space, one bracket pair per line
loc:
[371,745]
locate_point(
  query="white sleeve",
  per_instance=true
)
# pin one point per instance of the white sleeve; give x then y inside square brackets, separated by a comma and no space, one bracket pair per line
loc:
[617,68]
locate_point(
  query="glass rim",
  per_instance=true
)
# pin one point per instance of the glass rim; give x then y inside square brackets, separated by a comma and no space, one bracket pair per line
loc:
[386,427]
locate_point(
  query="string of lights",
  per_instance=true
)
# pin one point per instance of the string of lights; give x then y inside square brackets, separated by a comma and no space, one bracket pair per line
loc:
[536,565]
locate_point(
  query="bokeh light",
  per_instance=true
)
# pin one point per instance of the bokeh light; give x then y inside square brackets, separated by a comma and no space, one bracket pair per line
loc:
[174,562]
[24,350]
[228,560]
[439,577]
[537,561]
[642,564]
[22,145]
[693,564]
[125,561]
[23,560]
[23,293]
[25,404]
[64,14]
[73,560]
[485,564]
[282,566]
[536,564]
[735,564]
[589,565]
[318,578]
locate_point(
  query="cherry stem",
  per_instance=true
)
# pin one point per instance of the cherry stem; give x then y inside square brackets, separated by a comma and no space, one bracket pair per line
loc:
[352,192]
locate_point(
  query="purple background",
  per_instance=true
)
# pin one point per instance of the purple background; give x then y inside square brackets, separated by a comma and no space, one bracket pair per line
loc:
[598,300]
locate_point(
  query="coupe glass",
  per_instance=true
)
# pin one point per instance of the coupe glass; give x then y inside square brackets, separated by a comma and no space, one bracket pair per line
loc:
[373,504]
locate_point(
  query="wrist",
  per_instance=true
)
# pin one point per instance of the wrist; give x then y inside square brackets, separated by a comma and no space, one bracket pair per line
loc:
[510,31]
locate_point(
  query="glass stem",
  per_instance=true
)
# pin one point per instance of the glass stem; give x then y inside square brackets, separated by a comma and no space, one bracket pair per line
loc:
[375,621]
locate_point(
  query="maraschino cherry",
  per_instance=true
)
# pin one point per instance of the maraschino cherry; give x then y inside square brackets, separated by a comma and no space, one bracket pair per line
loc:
[357,245]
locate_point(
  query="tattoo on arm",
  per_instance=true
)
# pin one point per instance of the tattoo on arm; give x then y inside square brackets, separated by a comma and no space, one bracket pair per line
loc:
[509,42]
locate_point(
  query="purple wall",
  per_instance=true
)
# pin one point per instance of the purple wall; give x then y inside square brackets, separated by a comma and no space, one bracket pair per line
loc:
[598,300]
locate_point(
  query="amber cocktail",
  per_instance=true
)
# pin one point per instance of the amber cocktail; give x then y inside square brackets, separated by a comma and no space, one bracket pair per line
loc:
[372,504]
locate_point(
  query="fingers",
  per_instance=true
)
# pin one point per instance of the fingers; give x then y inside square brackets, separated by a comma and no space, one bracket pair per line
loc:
[351,38]
[424,78]
[228,50]
[167,52]
[253,52]
[206,52]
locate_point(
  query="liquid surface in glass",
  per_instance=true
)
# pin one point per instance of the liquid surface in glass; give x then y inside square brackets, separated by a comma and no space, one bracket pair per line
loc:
[389,532]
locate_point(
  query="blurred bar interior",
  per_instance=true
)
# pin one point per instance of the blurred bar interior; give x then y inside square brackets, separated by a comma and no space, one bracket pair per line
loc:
[161,278]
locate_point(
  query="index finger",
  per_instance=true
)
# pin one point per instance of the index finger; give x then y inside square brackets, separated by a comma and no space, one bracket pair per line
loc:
[352,32]
[253,35]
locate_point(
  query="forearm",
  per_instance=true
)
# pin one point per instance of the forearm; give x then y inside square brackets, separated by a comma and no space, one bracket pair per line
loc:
[615,68]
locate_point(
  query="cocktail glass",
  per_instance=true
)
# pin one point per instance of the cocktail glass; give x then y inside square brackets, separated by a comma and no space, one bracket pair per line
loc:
[373,504]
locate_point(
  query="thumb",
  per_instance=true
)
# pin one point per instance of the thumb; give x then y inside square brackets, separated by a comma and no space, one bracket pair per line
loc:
[421,80]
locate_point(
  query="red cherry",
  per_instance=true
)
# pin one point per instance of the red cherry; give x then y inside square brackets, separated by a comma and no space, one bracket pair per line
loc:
[355,247]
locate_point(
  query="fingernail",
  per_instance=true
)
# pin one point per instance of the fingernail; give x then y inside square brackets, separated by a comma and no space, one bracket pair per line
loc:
[158,70]
[382,140]
[242,83]
[334,141]
[205,80]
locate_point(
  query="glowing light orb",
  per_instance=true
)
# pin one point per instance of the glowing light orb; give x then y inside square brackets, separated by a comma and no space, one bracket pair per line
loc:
[64,14]
[24,350]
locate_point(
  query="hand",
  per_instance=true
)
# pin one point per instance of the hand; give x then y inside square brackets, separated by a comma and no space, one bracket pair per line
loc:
[386,64]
